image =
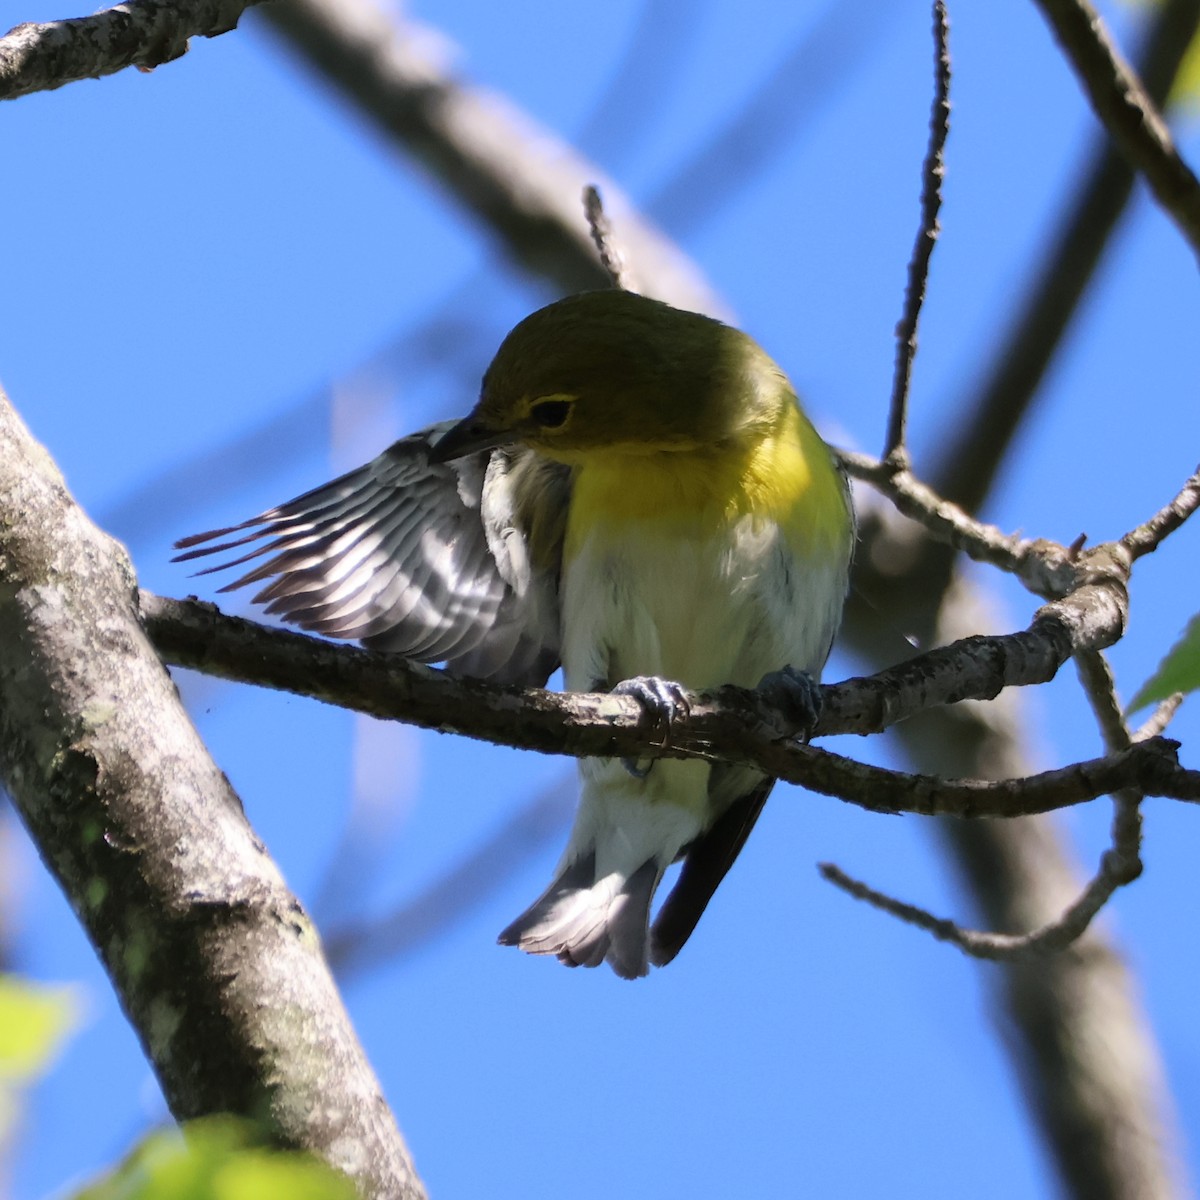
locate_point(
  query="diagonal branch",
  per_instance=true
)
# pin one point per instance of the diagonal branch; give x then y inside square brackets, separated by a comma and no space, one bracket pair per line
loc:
[1045,567]
[1150,534]
[213,958]
[1051,938]
[139,33]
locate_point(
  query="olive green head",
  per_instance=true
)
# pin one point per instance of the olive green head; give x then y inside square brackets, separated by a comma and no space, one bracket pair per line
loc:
[617,370]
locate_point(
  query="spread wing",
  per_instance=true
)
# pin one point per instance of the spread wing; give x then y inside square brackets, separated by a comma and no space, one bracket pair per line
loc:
[428,560]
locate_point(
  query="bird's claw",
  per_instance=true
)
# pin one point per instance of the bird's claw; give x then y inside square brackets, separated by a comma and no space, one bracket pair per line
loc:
[797,695]
[663,703]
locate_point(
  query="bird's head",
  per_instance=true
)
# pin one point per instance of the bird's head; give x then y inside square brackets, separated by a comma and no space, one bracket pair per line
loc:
[617,371]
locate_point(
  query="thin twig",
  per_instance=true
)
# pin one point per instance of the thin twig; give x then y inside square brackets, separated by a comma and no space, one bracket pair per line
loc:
[1100,686]
[1159,719]
[1150,766]
[1150,534]
[998,947]
[1123,862]
[1045,567]
[602,235]
[895,451]
[1120,865]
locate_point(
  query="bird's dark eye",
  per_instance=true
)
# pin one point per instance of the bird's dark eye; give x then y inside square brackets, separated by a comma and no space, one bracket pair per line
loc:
[551,414]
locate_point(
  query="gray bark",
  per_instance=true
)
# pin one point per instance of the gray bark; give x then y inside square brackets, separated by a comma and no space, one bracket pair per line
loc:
[214,960]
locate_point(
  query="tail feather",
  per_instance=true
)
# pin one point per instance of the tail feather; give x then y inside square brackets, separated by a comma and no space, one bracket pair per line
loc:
[586,921]
[706,861]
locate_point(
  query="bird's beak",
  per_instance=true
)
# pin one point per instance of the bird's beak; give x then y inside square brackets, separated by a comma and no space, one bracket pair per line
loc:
[469,436]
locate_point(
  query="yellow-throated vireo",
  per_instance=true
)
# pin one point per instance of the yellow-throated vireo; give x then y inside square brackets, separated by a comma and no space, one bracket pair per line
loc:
[636,495]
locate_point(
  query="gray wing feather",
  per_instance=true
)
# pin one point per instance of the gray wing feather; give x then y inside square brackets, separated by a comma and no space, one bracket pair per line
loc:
[422,559]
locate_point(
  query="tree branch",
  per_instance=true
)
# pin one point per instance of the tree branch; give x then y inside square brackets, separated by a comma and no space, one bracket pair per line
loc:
[1052,938]
[895,450]
[1045,567]
[601,230]
[138,33]
[1148,536]
[194,634]
[213,958]
[730,723]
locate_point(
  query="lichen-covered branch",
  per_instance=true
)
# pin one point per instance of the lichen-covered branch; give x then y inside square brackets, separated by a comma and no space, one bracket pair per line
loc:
[213,958]
[1148,536]
[137,33]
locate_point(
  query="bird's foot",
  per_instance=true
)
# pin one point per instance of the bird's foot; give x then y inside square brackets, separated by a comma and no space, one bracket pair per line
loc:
[663,703]
[797,696]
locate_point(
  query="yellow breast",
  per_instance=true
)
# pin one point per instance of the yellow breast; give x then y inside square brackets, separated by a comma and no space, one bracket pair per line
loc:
[785,475]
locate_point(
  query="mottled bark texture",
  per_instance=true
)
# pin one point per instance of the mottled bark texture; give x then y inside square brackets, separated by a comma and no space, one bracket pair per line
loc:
[214,960]
[138,33]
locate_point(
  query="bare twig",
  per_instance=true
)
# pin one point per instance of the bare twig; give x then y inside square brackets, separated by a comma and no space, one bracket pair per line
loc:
[602,235]
[998,947]
[1120,865]
[1149,535]
[1100,686]
[895,450]
[1159,719]
[141,33]
[1129,115]
[1045,567]
[878,789]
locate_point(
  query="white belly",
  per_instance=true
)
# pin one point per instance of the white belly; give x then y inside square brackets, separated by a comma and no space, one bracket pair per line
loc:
[701,610]
[696,607]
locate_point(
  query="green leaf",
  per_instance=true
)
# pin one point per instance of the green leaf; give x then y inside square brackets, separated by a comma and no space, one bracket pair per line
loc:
[34,1020]
[1186,89]
[218,1158]
[1178,672]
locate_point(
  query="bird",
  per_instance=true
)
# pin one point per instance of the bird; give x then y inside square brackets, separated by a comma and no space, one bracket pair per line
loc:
[638,497]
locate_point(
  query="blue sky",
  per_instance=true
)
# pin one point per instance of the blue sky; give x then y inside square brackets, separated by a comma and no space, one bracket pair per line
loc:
[223,247]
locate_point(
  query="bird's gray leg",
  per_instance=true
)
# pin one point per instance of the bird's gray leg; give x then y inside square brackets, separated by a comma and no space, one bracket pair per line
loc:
[797,695]
[663,702]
